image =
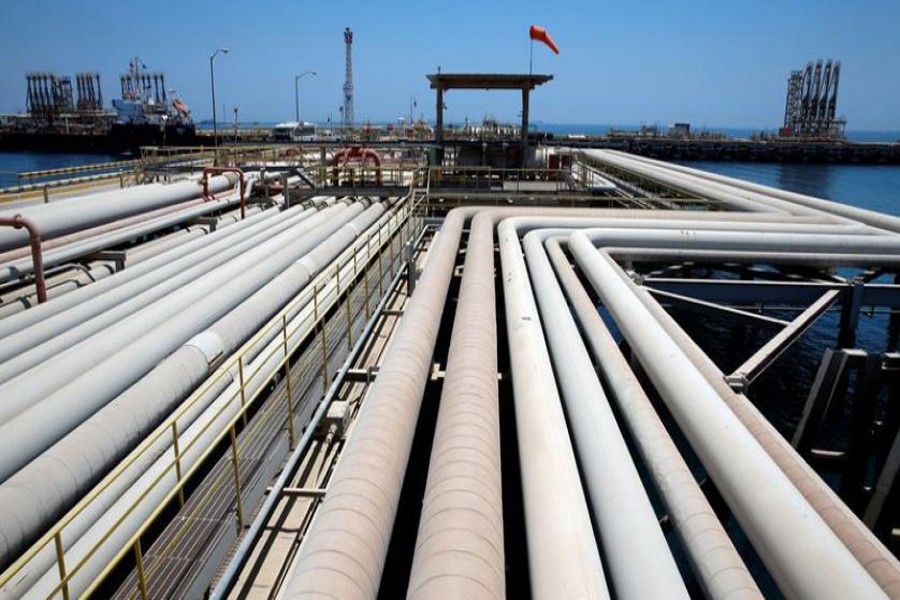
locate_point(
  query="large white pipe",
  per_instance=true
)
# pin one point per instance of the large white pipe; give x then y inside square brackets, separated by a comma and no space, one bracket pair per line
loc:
[72,465]
[630,575]
[42,312]
[459,547]
[24,389]
[364,490]
[637,554]
[562,553]
[869,217]
[374,460]
[720,570]
[92,525]
[733,198]
[32,346]
[60,218]
[343,552]
[68,252]
[186,234]
[75,278]
[12,255]
[801,552]
[865,546]
[82,381]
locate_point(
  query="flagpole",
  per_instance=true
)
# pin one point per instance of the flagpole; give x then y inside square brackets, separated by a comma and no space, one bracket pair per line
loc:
[531,57]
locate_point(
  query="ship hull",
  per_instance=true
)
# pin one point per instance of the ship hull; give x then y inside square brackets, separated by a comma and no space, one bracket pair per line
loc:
[119,138]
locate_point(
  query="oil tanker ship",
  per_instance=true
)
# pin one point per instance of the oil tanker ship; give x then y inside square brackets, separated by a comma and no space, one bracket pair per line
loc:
[62,119]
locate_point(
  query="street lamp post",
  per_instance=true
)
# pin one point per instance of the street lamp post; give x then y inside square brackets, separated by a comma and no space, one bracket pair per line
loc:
[297,93]
[212,83]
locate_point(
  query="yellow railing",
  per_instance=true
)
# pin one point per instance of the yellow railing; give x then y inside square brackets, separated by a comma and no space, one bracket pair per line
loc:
[120,164]
[354,175]
[58,187]
[310,308]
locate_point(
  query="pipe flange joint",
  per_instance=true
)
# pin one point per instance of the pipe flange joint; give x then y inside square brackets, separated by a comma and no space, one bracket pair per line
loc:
[210,345]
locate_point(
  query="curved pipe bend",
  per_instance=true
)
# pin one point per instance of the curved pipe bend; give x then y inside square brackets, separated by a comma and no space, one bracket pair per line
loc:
[37,255]
[772,511]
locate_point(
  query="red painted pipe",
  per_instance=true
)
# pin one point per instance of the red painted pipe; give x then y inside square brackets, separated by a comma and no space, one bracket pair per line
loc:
[220,170]
[356,154]
[37,256]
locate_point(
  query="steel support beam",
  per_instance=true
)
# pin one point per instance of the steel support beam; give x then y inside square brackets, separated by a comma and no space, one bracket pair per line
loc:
[753,367]
[769,292]
[712,308]
[821,394]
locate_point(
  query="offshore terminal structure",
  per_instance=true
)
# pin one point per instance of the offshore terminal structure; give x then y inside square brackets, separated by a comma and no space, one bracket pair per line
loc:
[503,368]
[811,102]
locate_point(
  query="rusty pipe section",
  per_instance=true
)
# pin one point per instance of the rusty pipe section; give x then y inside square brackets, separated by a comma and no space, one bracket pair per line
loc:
[37,255]
[459,549]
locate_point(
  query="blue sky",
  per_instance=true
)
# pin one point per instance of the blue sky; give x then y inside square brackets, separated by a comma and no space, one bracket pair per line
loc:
[711,63]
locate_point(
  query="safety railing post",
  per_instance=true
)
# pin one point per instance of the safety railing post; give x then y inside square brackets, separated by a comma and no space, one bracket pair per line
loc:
[348,293]
[320,321]
[177,450]
[367,271]
[393,258]
[410,267]
[380,265]
[243,389]
[292,435]
[237,479]
[61,564]
[139,562]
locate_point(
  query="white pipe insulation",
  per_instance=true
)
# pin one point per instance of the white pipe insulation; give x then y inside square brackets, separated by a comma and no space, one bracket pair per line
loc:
[87,375]
[359,510]
[94,523]
[786,531]
[620,504]
[459,547]
[625,517]
[42,312]
[343,553]
[865,546]
[68,252]
[731,197]
[57,476]
[81,234]
[74,276]
[321,547]
[60,218]
[31,346]
[720,570]
[869,217]
[374,460]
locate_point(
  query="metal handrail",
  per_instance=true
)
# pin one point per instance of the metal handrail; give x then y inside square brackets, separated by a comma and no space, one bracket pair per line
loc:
[226,581]
[313,293]
[228,428]
[78,169]
[261,420]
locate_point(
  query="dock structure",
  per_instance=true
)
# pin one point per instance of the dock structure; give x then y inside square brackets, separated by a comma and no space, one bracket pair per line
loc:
[444,82]
[303,373]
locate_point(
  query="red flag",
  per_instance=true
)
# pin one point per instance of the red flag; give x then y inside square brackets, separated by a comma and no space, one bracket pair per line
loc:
[540,34]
